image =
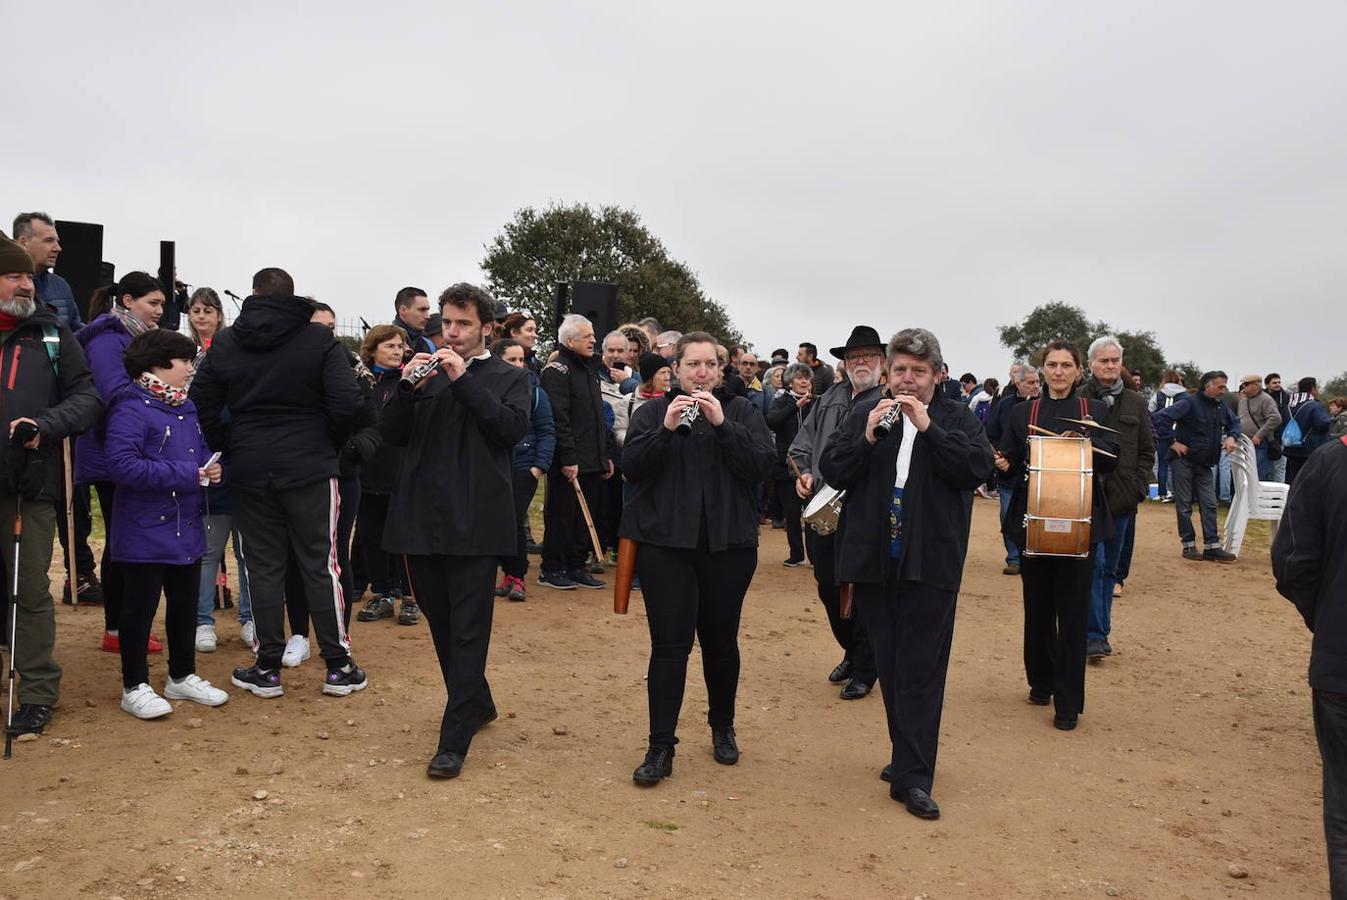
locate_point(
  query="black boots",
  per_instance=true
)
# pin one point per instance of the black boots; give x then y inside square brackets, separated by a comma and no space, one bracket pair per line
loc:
[723,747]
[658,765]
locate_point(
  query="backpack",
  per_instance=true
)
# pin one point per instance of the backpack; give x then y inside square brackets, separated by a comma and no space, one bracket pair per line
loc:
[1292,435]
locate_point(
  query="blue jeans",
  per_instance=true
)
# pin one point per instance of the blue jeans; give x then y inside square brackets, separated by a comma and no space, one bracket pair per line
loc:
[217,535]
[1194,483]
[1105,575]
[1225,484]
[1264,464]
[1162,467]
[1278,470]
[1012,552]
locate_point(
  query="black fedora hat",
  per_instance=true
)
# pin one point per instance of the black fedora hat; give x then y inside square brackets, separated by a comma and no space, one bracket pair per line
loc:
[861,336]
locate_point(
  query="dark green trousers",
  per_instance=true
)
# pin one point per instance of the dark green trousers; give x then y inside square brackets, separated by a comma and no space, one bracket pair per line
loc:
[35,630]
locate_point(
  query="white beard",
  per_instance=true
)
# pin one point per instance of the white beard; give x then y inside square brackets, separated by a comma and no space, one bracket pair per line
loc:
[19,308]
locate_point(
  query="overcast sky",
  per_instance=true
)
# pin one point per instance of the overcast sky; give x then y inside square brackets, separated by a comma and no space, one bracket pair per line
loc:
[1179,167]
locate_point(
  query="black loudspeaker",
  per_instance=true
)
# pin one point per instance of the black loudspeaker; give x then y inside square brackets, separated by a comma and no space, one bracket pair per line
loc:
[168,273]
[81,260]
[597,302]
[560,298]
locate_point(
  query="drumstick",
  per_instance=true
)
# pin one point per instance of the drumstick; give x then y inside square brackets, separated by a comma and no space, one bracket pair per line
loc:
[1104,453]
[1043,431]
[790,460]
[1089,423]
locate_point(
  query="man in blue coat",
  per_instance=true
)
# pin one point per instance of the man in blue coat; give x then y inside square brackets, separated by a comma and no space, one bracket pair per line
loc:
[36,233]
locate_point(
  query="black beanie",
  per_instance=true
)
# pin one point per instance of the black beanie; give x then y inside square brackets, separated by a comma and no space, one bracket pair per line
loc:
[649,364]
[13,258]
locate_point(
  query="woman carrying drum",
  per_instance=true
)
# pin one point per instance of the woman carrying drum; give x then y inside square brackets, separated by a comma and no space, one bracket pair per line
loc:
[1057,587]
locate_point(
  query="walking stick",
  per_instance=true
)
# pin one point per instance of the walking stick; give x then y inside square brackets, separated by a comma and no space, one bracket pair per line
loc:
[13,624]
[70,524]
[589,520]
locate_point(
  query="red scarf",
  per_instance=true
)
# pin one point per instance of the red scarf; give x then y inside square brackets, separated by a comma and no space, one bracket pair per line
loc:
[8,322]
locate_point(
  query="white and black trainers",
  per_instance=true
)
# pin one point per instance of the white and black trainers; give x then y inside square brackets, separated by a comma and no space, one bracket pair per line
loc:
[142,702]
[346,680]
[259,682]
[196,689]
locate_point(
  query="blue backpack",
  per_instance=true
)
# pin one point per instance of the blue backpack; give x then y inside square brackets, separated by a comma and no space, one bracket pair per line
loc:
[1292,435]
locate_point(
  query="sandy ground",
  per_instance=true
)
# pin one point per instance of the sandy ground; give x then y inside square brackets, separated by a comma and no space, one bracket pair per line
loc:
[1195,753]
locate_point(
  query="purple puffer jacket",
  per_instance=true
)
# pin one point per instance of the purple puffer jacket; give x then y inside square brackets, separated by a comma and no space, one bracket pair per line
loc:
[153,453]
[105,340]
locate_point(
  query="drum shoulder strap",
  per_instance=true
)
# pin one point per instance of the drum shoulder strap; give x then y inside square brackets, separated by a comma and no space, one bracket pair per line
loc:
[1033,411]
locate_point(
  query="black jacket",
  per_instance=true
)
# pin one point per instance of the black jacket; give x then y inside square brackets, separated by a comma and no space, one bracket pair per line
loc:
[1015,448]
[454,493]
[290,392]
[949,460]
[363,443]
[1130,481]
[784,418]
[63,403]
[379,475]
[707,479]
[1310,564]
[572,385]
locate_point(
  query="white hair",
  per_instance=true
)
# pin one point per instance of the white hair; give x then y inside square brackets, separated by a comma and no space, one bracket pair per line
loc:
[616,334]
[1107,342]
[570,327]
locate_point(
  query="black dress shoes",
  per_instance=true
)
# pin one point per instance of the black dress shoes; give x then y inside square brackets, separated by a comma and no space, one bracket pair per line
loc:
[723,747]
[841,673]
[1064,723]
[855,690]
[917,801]
[886,773]
[658,765]
[446,764]
[1038,699]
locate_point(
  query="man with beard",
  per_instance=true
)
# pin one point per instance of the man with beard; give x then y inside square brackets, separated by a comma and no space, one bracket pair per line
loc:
[49,394]
[864,357]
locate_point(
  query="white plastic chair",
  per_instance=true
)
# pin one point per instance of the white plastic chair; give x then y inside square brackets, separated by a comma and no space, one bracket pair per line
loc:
[1253,499]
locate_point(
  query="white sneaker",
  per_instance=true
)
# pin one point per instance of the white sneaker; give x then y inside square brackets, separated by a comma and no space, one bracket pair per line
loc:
[143,703]
[196,689]
[205,639]
[248,634]
[296,650]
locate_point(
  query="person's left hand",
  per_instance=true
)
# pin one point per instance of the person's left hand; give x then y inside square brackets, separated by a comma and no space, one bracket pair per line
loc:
[915,410]
[609,473]
[1229,445]
[453,364]
[710,407]
[212,473]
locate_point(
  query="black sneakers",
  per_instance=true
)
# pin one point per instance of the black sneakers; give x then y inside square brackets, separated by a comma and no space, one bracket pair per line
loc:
[583,579]
[30,718]
[376,609]
[260,682]
[1216,554]
[410,613]
[657,766]
[723,746]
[344,681]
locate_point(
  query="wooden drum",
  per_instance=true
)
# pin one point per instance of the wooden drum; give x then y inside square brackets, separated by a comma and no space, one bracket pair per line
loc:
[1061,496]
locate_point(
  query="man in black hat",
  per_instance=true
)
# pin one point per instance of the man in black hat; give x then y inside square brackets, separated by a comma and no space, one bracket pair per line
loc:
[863,354]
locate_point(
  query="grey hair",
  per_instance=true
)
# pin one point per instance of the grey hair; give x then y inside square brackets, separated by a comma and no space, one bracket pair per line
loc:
[570,327]
[1023,372]
[619,334]
[918,343]
[23,223]
[1107,342]
[668,337]
[796,370]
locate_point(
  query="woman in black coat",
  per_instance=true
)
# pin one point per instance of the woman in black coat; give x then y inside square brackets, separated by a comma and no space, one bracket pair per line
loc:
[1057,589]
[786,414]
[694,515]
[901,541]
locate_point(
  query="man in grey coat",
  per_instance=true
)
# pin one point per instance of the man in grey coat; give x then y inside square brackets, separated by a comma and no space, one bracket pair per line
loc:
[1260,419]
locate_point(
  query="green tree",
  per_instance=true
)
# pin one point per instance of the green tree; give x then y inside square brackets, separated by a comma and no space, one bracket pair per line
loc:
[1050,322]
[1336,387]
[1142,354]
[1191,372]
[536,249]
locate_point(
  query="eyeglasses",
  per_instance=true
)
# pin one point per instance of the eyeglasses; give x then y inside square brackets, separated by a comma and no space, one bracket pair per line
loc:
[862,357]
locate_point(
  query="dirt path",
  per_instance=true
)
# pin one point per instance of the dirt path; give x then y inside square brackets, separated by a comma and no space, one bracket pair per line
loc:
[1196,751]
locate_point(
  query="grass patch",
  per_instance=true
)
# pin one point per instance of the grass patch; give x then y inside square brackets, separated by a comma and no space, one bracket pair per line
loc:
[668,827]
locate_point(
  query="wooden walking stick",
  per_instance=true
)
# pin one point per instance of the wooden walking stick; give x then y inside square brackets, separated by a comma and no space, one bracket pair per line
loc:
[70,524]
[589,520]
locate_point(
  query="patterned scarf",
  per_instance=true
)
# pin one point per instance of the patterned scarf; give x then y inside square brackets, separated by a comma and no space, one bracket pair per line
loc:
[173,396]
[129,321]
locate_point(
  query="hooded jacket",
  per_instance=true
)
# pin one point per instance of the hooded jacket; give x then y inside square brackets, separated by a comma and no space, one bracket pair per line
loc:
[155,452]
[60,398]
[1167,396]
[290,392]
[104,339]
[1313,420]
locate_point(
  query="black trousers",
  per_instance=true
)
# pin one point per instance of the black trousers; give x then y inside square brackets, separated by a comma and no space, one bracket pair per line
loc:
[271,523]
[1293,466]
[455,593]
[912,626]
[1330,728]
[611,489]
[791,508]
[525,486]
[851,634]
[296,602]
[687,593]
[1056,616]
[383,569]
[113,590]
[84,557]
[566,541]
[142,583]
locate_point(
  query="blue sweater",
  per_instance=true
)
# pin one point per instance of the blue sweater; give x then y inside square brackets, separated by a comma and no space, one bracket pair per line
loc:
[55,291]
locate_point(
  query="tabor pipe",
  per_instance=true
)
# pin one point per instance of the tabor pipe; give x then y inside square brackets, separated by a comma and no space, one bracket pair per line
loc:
[846,595]
[626,567]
